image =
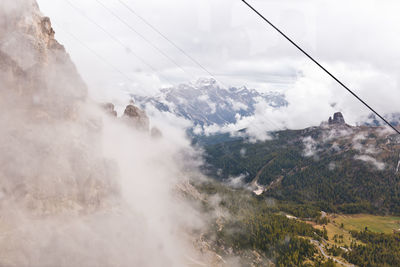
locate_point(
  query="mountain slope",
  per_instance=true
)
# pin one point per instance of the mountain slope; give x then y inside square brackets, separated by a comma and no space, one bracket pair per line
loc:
[336,167]
[372,120]
[206,103]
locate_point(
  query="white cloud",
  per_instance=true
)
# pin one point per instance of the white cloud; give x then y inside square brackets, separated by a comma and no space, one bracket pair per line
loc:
[232,42]
[310,147]
[237,182]
[237,106]
[243,152]
[237,46]
[377,164]
[332,166]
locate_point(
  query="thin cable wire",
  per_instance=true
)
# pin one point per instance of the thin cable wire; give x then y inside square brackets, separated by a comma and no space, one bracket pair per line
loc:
[115,39]
[130,9]
[101,58]
[142,36]
[322,67]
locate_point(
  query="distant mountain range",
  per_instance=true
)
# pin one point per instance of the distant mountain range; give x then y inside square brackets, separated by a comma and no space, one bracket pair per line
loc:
[393,118]
[205,102]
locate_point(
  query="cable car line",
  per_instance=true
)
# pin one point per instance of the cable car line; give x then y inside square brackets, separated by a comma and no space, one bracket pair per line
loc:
[319,65]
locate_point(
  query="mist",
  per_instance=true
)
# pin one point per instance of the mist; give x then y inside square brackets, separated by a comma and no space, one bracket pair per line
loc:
[79,187]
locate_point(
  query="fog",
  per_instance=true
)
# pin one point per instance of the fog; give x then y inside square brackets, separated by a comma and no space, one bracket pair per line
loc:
[79,187]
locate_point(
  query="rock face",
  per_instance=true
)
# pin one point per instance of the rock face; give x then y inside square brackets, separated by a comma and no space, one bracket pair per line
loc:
[49,144]
[136,117]
[61,170]
[338,119]
[109,108]
[33,64]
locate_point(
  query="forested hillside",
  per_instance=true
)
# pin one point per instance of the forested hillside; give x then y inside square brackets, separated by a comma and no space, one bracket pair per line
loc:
[335,168]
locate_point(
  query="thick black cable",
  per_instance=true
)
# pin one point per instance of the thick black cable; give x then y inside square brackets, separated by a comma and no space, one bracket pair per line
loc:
[322,67]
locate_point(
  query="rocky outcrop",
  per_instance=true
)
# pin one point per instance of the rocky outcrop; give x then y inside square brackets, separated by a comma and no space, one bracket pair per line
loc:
[109,108]
[34,65]
[48,157]
[338,119]
[136,117]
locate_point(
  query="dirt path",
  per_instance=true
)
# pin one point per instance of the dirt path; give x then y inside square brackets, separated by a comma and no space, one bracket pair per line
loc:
[321,249]
[274,183]
[261,189]
[255,180]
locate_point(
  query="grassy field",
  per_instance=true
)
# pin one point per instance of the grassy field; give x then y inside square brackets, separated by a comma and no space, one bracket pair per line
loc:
[339,234]
[333,230]
[379,224]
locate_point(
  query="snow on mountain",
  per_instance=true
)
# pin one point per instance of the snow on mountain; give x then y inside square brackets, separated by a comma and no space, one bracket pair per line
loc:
[372,120]
[205,102]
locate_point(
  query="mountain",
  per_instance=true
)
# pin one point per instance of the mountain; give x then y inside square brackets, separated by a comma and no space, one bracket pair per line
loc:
[74,174]
[206,102]
[372,120]
[336,167]
[81,187]
[32,58]
[60,159]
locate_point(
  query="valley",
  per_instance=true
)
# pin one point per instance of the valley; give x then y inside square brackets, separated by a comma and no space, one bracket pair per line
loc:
[339,179]
[336,168]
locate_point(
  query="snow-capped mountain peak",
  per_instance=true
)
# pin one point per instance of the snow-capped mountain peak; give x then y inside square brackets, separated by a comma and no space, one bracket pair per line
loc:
[205,102]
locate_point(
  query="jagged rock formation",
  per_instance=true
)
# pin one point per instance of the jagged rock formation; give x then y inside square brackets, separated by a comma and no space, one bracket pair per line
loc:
[34,64]
[62,202]
[136,117]
[45,133]
[338,119]
[109,108]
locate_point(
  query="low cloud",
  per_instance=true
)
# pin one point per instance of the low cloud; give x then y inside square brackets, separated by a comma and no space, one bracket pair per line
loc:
[332,166]
[377,164]
[237,182]
[310,147]
[243,152]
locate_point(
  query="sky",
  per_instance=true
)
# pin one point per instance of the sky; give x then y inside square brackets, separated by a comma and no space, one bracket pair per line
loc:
[358,41]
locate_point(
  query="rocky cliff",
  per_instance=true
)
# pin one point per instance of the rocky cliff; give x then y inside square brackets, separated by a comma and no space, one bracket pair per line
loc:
[338,119]
[43,125]
[35,68]
[79,187]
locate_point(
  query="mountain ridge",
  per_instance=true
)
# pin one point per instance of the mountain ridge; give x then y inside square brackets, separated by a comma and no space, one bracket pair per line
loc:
[205,102]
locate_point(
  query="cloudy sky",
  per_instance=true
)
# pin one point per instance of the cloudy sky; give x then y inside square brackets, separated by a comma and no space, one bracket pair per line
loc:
[359,41]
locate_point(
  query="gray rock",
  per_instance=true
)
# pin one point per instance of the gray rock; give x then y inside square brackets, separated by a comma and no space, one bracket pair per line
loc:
[110,109]
[338,119]
[136,117]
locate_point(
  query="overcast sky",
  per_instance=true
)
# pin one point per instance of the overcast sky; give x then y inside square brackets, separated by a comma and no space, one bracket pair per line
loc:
[359,41]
